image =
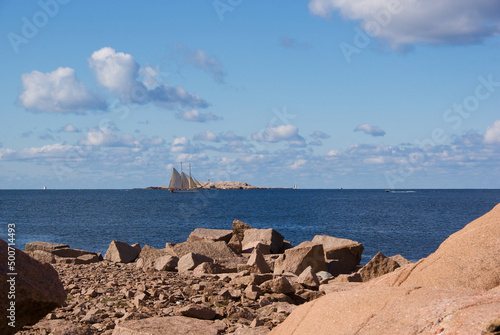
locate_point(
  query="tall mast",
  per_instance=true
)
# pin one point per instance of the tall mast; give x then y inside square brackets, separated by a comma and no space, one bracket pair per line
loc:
[189,170]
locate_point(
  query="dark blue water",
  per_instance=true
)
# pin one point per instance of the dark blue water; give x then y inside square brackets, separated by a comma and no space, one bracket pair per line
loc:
[409,223]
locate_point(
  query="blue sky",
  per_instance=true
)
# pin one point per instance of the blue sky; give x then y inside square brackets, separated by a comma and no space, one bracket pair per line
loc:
[324,93]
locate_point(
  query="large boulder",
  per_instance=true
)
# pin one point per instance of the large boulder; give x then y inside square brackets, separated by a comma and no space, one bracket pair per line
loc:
[297,259]
[468,258]
[172,325]
[265,236]
[239,228]
[47,252]
[44,246]
[212,235]
[35,289]
[166,263]
[148,256]
[191,260]
[121,252]
[214,250]
[394,310]
[345,254]
[257,262]
[379,265]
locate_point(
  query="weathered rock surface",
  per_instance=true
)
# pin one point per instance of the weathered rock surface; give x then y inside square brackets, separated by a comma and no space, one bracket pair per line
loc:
[166,263]
[36,287]
[265,236]
[214,250]
[377,266]
[308,278]
[257,262]
[148,256]
[173,325]
[191,260]
[198,311]
[120,252]
[44,246]
[211,235]
[345,253]
[46,252]
[239,228]
[395,310]
[297,259]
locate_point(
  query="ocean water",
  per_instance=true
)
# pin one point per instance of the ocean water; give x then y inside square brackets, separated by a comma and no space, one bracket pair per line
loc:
[411,223]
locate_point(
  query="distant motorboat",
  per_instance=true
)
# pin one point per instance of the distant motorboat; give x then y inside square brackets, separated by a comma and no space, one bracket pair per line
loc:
[44,188]
[182,183]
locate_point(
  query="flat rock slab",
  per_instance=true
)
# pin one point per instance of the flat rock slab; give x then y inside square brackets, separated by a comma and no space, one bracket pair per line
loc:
[172,325]
[214,250]
[210,235]
[44,246]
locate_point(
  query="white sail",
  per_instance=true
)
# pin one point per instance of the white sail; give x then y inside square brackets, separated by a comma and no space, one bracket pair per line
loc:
[175,180]
[184,182]
[192,183]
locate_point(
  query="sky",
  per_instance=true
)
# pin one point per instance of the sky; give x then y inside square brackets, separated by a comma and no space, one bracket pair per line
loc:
[395,94]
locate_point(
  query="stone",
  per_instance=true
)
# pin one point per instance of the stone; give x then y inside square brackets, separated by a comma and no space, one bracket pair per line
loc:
[277,285]
[401,260]
[265,249]
[42,256]
[137,246]
[394,310]
[297,259]
[235,244]
[258,262]
[206,268]
[148,256]
[166,263]
[191,260]
[239,228]
[252,292]
[266,236]
[211,235]
[214,250]
[87,259]
[171,325]
[346,253]
[468,258]
[44,246]
[120,252]
[262,330]
[309,279]
[71,253]
[197,311]
[379,265]
[38,289]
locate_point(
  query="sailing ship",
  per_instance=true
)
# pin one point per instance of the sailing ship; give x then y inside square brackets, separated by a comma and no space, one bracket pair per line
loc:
[182,183]
[295,186]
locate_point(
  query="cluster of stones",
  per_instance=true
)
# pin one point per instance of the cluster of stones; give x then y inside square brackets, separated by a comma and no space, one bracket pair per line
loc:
[239,281]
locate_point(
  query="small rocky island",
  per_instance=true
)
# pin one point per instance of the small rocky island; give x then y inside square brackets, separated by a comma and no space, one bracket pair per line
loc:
[218,185]
[249,281]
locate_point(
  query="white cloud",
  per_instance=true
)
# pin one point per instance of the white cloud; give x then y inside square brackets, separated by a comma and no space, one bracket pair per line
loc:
[492,135]
[207,135]
[106,137]
[370,130]
[116,71]
[198,58]
[284,132]
[298,164]
[69,128]
[320,135]
[406,22]
[194,115]
[58,91]
[180,144]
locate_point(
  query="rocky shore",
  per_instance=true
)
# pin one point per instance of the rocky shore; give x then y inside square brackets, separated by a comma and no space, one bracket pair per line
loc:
[218,185]
[250,281]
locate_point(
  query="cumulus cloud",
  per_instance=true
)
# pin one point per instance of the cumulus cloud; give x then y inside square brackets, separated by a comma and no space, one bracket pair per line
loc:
[292,43]
[58,91]
[320,135]
[180,145]
[194,115]
[407,22]
[207,135]
[492,135]
[298,164]
[69,128]
[370,130]
[106,137]
[198,58]
[284,132]
[49,152]
[120,73]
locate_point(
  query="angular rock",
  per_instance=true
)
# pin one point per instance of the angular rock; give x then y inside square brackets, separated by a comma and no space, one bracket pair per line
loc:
[42,256]
[252,292]
[265,236]
[87,259]
[71,253]
[36,287]
[44,246]
[309,279]
[172,325]
[211,235]
[214,250]
[394,310]
[258,262]
[197,311]
[239,228]
[191,260]
[277,285]
[166,263]
[379,265]
[120,252]
[148,256]
[297,259]
[346,253]
[235,244]
[401,260]
[206,268]
[265,249]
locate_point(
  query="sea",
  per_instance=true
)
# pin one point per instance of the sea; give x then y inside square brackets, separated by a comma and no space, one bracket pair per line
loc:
[412,223]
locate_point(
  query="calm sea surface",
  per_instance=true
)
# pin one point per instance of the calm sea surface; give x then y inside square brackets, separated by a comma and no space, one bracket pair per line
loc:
[410,223]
